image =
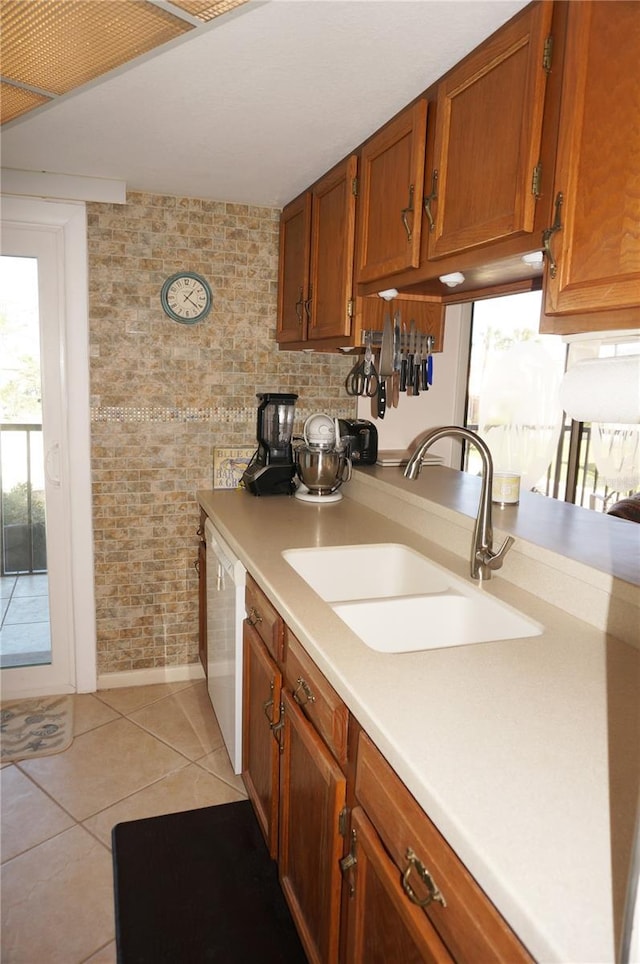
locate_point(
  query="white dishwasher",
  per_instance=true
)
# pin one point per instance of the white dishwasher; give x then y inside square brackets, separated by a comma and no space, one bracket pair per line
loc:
[226,578]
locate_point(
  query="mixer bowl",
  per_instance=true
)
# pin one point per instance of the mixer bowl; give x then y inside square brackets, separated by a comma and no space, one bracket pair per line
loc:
[322,471]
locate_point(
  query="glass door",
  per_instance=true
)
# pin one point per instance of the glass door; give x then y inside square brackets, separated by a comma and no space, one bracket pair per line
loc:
[25,632]
[37,641]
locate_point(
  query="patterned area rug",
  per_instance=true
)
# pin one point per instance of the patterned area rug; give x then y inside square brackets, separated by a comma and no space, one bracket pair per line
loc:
[35,727]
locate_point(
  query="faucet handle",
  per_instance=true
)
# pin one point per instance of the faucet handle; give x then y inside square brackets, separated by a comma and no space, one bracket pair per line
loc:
[490,560]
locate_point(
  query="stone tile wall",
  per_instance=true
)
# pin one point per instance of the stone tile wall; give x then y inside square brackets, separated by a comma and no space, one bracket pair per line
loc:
[164,394]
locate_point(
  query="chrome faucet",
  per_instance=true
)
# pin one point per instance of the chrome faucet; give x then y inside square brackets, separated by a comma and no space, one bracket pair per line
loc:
[483,559]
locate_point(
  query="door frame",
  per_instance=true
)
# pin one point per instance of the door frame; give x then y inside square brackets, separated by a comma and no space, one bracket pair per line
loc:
[69,221]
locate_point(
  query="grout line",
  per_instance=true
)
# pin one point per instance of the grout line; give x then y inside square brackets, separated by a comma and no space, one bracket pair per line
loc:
[120,715]
[86,960]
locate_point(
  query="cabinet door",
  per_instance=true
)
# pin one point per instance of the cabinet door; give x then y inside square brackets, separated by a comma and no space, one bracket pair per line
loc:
[312,794]
[597,249]
[488,139]
[262,683]
[293,270]
[333,220]
[391,185]
[382,924]
[201,568]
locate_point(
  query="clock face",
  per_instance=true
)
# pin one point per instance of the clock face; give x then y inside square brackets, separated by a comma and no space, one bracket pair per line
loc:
[186,297]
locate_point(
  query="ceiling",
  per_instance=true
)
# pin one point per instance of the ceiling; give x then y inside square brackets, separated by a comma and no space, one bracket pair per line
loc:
[256,104]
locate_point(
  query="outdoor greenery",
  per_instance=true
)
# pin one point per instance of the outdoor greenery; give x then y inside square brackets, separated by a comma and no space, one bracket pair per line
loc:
[15,503]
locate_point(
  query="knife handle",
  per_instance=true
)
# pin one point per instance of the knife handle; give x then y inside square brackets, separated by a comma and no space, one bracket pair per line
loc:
[404,365]
[382,398]
[410,369]
[417,371]
[425,374]
[430,370]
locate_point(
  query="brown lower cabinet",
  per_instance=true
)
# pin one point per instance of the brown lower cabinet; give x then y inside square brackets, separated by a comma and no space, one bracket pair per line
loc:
[262,682]
[382,924]
[312,796]
[367,876]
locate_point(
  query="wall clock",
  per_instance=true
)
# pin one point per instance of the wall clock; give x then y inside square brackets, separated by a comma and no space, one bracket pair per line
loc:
[186,297]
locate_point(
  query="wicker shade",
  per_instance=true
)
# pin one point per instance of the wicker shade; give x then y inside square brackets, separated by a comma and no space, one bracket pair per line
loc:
[206,10]
[16,101]
[53,46]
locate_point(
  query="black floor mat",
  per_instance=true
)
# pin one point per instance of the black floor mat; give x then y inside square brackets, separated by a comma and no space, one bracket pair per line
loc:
[200,886]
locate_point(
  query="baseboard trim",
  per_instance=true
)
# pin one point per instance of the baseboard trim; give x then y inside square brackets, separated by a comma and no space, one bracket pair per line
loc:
[147,677]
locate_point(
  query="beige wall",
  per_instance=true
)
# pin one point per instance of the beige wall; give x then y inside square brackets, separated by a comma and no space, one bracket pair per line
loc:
[163,395]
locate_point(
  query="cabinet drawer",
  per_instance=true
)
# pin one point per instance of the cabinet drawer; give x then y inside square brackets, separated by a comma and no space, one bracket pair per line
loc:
[316,697]
[265,619]
[469,924]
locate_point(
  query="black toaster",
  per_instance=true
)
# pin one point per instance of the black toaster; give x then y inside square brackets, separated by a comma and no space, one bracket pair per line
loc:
[361,438]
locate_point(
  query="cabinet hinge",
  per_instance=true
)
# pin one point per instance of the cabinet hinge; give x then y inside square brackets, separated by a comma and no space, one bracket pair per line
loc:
[350,308]
[547,54]
[355,186]
[343,822]
[536,180]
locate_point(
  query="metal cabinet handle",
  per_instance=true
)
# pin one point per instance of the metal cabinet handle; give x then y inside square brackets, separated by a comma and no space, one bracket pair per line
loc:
[196,566]
[306,690]
[425,877]
[299,306]
[405,212]
[348,862]
[254,617]
[278,728]
[307,304]
[266,706]
[548,234]
[429,198]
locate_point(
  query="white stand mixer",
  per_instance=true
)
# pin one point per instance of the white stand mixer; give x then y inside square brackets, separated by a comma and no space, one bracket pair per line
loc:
[322,464]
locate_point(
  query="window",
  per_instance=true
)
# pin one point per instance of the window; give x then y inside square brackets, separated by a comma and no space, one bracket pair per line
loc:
[513,402]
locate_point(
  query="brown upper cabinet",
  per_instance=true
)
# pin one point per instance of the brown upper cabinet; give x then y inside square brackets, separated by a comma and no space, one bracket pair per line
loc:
[531,146]
[317,237]
[593,262]
[485,179]
[293,269]
[390,195]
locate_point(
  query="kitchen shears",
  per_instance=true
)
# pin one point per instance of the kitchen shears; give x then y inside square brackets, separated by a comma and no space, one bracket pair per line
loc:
[363,380]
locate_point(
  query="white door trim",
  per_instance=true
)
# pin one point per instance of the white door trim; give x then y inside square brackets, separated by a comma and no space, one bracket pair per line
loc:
[69,220]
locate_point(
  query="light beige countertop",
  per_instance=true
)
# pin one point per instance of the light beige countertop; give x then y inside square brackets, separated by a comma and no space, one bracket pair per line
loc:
[525,753]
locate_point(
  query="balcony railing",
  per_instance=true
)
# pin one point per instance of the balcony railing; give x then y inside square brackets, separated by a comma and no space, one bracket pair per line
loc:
[22,502]
[572,475]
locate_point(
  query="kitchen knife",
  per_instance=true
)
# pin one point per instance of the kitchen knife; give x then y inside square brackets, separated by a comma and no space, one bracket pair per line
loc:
[428,369]
[424,365]
[386,352]
[403,360]
[417,366]
[385,369]
[395,393]
[412,351]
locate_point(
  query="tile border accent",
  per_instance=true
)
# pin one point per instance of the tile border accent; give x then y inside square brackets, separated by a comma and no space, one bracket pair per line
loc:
[156,413]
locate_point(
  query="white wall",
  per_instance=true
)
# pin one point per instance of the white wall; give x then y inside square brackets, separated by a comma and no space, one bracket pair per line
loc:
[443,404]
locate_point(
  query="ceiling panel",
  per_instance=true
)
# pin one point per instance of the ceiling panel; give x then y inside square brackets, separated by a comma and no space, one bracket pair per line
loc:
[256,104]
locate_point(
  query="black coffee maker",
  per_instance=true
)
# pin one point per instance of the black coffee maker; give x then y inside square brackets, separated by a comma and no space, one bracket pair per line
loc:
[272,469]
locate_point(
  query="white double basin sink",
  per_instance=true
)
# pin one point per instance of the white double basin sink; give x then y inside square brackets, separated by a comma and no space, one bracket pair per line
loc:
[398,601]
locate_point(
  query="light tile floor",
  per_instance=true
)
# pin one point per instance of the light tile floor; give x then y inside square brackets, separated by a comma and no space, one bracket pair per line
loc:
[137,752]
[25,638]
